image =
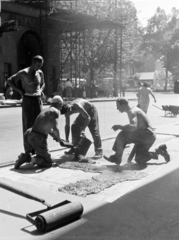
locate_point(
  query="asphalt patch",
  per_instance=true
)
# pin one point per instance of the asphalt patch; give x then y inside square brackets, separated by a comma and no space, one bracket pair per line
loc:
[107,177]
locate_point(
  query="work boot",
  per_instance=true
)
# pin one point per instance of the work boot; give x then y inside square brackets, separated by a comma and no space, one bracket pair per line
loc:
[22,158]
[97,155]
[162,150]
[112,159]
[71,151]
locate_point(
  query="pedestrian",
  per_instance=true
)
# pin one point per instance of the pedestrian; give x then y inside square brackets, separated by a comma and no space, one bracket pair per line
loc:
[29,82]
[123,88]
[92,89]
[140,132]
[110,88]
[36,137]
[143,96]
[68,89]
[88,117]
[137,94]
[60,88]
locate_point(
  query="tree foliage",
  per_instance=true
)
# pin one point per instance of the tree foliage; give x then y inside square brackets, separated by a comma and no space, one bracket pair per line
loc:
[100,43]
[162,39]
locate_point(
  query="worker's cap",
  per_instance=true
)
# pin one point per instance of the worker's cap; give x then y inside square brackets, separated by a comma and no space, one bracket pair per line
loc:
[57,99]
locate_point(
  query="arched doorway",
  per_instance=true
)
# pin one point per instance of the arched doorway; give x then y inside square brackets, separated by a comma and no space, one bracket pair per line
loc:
[29,46]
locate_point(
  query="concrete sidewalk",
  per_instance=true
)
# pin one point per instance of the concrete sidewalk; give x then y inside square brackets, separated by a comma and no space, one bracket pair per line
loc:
[146,208]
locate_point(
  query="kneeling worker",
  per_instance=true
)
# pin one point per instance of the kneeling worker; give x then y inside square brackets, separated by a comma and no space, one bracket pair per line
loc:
[36,137]
[140,132]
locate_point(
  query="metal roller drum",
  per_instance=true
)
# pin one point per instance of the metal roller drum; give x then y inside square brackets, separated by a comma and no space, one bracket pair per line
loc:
[59,216]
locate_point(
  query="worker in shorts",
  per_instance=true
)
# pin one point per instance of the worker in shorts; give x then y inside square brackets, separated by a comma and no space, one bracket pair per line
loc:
[36,137]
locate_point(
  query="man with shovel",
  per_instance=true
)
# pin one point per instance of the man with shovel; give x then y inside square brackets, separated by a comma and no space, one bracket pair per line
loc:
[36,137]
[140,132]
[88,117]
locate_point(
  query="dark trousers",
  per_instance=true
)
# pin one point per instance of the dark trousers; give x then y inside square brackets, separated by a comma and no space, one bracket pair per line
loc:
[38,142]
[143,140]
[31,107]
[93,128]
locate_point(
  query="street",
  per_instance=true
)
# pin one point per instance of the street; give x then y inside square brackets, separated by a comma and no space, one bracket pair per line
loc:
[143,207]
[11,125]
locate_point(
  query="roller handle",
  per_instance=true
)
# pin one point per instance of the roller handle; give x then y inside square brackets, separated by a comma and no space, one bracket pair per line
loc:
[24,194]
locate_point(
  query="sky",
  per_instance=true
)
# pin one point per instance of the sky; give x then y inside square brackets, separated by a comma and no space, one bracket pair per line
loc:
[147,8]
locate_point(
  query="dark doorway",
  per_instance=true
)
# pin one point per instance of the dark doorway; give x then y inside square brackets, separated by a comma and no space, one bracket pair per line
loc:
[29,46]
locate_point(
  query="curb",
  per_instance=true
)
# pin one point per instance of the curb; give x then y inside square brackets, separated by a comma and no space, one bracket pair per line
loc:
[90,100]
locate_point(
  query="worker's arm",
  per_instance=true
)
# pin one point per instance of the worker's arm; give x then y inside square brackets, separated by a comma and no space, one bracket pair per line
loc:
[42,85]
[129,127]
[12,82]
[153,96]
[55,133]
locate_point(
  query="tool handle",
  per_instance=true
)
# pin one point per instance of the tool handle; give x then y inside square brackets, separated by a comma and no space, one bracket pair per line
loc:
[22,193]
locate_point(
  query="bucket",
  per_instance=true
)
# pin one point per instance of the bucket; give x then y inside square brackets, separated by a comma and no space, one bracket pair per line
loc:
[82,147]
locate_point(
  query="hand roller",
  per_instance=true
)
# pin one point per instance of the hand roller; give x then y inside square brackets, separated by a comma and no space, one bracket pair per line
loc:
[52,217]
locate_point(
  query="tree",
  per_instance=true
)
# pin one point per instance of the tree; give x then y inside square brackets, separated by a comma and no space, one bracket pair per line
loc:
[162,39]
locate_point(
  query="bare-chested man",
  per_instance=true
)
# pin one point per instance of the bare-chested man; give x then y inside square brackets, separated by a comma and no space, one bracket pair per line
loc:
[36,137]
[88,117]
[29,82]
[140,132]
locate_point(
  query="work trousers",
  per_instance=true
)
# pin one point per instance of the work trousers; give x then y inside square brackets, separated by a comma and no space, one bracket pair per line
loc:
[93,128]
[143,140]
[38,142]
[31,108]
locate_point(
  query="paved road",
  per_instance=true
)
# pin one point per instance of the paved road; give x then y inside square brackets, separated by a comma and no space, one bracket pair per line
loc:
[144,209]
[11,132]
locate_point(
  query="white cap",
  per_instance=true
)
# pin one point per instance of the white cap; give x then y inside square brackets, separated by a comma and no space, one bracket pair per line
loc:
[57,99]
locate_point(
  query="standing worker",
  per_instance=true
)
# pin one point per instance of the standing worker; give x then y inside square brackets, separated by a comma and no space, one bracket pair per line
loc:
[29,82]
[60,88]
[143,96]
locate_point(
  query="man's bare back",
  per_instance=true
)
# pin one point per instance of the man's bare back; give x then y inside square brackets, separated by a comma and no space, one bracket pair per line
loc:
[78,104]
[46,120]
[138,117]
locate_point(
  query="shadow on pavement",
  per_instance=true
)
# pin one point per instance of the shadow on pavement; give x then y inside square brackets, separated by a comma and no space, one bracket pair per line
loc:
[149,212]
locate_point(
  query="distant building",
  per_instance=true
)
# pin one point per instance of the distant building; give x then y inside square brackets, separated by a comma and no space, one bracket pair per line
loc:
[146,77]
[43,30]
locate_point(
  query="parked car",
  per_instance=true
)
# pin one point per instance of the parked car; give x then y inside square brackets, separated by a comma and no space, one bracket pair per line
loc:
[176,86]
